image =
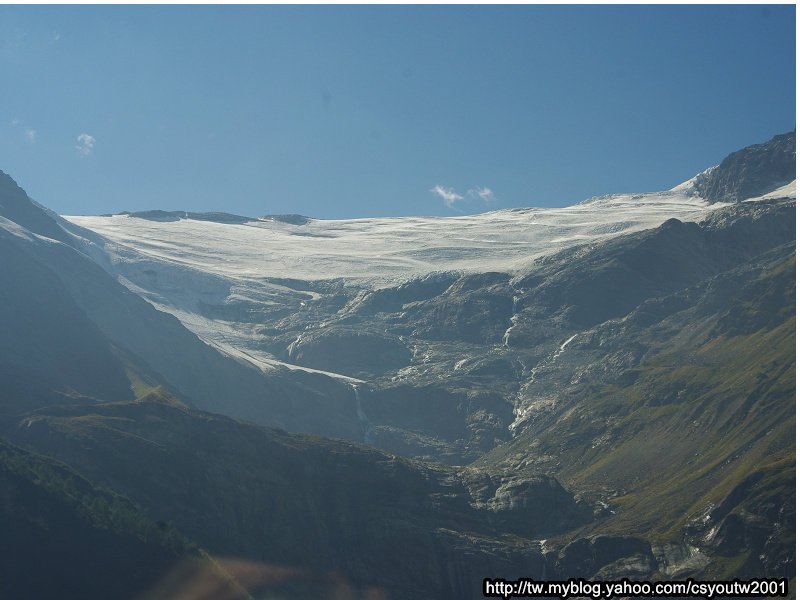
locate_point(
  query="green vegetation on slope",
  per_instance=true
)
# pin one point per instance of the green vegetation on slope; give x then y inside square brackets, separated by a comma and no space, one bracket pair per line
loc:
[65,538]
[709,406]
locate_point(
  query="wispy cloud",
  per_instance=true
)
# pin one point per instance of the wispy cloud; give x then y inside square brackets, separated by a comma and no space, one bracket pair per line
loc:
[28,133]
[448,195]
[472,199]
[483,193]
[85,144]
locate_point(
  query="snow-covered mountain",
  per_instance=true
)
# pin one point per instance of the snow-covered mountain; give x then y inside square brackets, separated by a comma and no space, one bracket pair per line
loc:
[382,250]
[616,376]
[223,275]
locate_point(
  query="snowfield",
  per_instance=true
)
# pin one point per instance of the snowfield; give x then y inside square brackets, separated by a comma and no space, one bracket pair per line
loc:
[385,250]
[226,281]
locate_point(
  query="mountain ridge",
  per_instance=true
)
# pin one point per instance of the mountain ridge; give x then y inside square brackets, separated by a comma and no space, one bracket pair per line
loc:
[619,404]
[750,172]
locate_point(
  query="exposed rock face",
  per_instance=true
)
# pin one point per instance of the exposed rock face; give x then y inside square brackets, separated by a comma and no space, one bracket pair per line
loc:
[410,529]
[534,506]
[355,353]
[436,421]
[630,399]
[751,172]
[475,309]
[606,557]
[755,520]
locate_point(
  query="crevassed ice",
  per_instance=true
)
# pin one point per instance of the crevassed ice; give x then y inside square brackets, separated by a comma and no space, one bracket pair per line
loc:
[384,250]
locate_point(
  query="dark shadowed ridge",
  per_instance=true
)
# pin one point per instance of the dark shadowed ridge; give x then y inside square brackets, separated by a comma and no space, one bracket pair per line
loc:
[71,326]
[177,215]
[655,370]
[65,538]
[213,217]
[16,206]
[751,172]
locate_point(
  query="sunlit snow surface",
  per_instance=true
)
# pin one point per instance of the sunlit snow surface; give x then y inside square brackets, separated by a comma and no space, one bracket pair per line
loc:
[786,191]
[185,266]
[386,249]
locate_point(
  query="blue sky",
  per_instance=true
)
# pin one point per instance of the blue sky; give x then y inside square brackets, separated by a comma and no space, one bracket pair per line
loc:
[338,112]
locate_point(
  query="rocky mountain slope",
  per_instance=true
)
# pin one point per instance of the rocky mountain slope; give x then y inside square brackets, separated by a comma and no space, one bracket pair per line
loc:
[750,172]
[313,504]
[65,538]
[663,414]
[71,328]
[604,390]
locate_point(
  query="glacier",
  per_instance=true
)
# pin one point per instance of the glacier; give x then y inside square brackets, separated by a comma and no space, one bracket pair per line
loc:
[185,265]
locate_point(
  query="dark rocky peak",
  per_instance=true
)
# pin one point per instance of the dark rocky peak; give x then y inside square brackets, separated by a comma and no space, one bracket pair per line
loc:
[177,215]
[16,206]
[750,172]
[291,219]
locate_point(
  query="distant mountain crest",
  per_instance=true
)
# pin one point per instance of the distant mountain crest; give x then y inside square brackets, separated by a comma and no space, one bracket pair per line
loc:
[215,217]
[291,219]
[177,215]
[750,172]
[16,206]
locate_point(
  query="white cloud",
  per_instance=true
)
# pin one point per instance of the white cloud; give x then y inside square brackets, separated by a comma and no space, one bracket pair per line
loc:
[472,199]
[448,195]
[28,132]
[484,193]
[85,144]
